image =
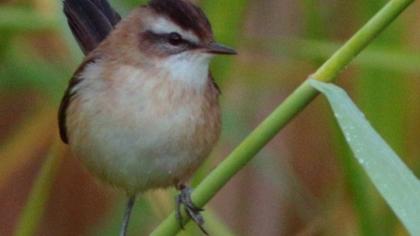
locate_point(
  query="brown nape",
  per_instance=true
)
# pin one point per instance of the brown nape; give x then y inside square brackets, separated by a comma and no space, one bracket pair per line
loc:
[186,15]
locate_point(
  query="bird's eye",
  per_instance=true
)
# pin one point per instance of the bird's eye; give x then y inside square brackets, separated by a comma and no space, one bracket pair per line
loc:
[175,39]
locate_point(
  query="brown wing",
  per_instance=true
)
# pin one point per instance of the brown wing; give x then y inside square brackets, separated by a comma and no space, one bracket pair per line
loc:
[68,95]
[90,22]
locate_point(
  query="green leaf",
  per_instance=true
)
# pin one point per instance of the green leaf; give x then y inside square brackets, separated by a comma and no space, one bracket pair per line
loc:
[285,112]
[395,182]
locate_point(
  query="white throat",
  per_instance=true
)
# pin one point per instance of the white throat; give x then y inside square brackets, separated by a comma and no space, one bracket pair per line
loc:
[191,68]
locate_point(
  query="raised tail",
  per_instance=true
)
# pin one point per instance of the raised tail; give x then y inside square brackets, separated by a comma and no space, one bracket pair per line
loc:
[90,21]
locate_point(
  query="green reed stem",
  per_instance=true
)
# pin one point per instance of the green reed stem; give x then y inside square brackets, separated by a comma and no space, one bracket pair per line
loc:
[32,213]
[296,102]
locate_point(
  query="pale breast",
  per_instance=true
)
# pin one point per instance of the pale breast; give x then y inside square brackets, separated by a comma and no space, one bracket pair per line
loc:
[142,130]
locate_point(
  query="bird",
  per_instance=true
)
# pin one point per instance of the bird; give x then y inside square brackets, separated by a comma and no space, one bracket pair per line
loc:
[142,110]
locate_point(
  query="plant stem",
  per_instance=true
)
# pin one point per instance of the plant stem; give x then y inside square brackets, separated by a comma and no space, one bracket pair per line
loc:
[35,206]
[296,102]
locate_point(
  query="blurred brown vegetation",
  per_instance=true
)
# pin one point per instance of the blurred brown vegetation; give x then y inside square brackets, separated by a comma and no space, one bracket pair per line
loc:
[304,183]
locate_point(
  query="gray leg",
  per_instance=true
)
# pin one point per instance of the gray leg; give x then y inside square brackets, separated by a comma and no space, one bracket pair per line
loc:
[127,215]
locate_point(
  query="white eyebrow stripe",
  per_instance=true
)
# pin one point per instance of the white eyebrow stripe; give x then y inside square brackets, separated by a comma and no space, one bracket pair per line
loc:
[162,25]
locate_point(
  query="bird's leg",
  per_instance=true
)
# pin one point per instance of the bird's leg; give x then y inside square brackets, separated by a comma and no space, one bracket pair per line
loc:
[127,214]
[184,199]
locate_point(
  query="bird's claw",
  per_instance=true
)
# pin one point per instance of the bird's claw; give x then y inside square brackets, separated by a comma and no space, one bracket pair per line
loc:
[184,199]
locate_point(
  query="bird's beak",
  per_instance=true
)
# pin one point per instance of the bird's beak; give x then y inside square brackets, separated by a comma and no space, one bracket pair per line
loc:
[216,48]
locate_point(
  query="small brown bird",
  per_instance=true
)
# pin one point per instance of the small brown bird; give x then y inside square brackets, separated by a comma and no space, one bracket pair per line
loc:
[141,111]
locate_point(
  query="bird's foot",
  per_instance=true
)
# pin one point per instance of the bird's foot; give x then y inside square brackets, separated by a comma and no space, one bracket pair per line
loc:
[184,199]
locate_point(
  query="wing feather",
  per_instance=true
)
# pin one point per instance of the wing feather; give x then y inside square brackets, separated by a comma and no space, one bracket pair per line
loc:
[68,96]
[90,22]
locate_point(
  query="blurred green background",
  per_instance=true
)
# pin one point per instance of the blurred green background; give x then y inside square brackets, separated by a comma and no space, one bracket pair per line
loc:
[304,183]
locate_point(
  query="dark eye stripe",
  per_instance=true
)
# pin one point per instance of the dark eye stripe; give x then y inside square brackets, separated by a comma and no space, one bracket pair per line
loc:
[168,37]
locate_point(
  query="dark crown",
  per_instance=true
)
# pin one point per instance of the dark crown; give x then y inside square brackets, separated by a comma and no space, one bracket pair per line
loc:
[186,15]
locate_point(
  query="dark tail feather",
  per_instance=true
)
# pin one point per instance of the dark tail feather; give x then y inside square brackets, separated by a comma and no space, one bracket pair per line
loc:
[110,13]
[90,21]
